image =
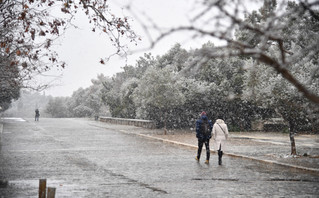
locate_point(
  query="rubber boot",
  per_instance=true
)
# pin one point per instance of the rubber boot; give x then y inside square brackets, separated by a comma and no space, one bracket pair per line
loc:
[220,155]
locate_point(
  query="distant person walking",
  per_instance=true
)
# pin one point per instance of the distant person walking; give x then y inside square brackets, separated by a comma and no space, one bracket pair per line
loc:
[37,115]
[220,135]
[203,134]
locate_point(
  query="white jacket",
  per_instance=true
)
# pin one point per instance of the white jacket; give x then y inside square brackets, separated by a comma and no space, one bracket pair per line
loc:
[220,134]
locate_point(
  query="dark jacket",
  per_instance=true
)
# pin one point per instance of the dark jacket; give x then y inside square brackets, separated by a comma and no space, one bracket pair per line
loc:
[37,113]
[199,122]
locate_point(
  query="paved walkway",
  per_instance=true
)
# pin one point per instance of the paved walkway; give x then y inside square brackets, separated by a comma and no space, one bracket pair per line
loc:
[267,147]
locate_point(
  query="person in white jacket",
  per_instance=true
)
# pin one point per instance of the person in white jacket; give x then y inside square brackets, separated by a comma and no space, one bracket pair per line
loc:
[220,135]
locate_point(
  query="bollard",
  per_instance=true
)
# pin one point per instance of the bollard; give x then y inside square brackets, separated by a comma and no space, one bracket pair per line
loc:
[42,188]
[51,192]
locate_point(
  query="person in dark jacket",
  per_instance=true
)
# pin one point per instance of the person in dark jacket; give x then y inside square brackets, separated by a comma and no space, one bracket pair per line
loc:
[37,115]
[203,134]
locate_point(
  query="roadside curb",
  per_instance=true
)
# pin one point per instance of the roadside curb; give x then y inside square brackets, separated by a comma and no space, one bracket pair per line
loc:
[232,154]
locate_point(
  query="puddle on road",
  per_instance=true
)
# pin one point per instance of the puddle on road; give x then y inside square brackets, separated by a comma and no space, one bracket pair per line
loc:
[34,182]
[14,119]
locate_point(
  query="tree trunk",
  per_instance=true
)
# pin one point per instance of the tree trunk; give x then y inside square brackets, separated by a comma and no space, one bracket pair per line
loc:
[165,130]
[293,144]
[292,138]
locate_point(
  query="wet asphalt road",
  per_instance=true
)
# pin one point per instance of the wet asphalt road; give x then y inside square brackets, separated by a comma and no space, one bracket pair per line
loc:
[81,159]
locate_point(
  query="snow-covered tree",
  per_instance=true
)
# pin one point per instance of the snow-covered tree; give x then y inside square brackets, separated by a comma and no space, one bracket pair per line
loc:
[94,95]
[9,83]
[270,90]
[157,94]
[294,54]
[88,102]
[57,107]
[117,94]
[175,58]
[27,103]
[198,98]
[126,91]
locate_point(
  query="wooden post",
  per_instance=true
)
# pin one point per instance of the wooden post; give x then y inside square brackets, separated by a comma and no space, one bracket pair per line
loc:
[42,188]
[51,192]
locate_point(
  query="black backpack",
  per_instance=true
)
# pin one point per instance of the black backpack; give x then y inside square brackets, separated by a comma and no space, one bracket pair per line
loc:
[205,128]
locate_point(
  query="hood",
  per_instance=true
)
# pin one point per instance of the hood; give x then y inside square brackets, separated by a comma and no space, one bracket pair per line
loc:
[204,117]
[220,121]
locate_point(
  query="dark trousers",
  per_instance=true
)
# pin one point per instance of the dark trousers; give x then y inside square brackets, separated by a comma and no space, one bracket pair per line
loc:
[200,146]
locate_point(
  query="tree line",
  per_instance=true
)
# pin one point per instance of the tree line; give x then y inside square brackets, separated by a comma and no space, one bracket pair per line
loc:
[166,90]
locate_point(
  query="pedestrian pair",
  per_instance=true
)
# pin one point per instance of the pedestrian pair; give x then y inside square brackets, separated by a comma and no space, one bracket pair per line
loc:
[205,130]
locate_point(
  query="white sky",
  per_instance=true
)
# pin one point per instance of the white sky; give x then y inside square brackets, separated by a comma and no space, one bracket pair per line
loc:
[82,49]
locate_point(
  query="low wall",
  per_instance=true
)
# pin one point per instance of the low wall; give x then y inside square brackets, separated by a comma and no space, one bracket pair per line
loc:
[272,124]
[133,122]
